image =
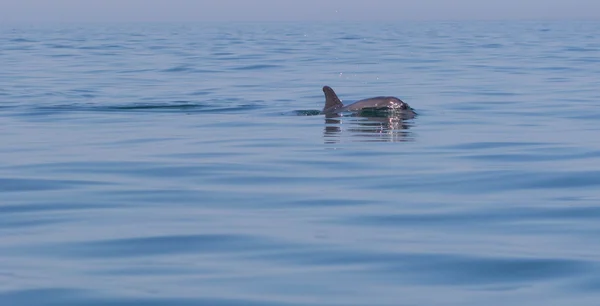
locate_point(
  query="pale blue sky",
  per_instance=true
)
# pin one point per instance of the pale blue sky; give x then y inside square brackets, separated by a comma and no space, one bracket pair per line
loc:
[288,10]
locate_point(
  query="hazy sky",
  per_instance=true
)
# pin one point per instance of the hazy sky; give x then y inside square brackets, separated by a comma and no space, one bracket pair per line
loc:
[288,10]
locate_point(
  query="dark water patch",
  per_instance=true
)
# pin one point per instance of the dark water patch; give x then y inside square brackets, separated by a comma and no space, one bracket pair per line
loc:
[481,219]
[258,67]
[234,109]
[135,71]
[7,107]
[249,86]
[134,168]
[476,182]
[179,69]
[18,48]
[163,246]
[201,93]
[424,61]
[60,46]
[84,297]
[157,107]
[20,185]
[177,106]
[103,47]
[532,157]
[140,140]
[562,69]
[284,50]
[566,180]
[579,49]
[202,155]
[491,46]
[350,37]
[229,58]
[111,46]
[49,207]
[492,145]
[265,179]
[64,55]
[587,60]
[46,297]
[322,202]
[589,284]
[587,116]
[22,40]
[31,222]
[171,170]
[477,271]
[437,269]
[497,94]
[158,47]
[223,53]
[218,197]
[143,270]
[216,106]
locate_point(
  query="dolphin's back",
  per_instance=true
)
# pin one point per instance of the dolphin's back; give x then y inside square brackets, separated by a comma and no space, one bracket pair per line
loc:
[333,105]
[374,103]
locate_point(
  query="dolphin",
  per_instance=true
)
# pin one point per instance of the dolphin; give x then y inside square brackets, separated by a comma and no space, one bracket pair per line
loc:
[334,106]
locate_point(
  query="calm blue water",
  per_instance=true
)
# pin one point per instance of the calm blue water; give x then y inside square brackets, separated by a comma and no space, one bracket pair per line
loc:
[166,164]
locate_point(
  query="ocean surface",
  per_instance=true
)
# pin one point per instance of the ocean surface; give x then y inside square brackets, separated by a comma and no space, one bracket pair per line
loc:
[186,164]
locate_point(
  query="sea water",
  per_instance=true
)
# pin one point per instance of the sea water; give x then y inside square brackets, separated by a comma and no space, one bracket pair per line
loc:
[186,164]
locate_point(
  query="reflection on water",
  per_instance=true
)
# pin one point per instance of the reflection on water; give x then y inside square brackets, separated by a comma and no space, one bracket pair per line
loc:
[366,129]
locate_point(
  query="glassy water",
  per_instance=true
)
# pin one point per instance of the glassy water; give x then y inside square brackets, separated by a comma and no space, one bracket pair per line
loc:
[185,164]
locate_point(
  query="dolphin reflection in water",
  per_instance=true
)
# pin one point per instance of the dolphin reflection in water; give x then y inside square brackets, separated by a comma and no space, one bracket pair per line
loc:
[374,119]
[366,129]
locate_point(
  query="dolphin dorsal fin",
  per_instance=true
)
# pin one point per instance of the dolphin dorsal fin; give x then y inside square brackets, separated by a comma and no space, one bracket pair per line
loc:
[331,100]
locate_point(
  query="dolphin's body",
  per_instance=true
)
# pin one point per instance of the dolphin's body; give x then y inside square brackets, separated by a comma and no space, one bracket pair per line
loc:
[334,106]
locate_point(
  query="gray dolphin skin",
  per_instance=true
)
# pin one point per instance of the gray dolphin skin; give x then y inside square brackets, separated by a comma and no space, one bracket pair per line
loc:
[334,106]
